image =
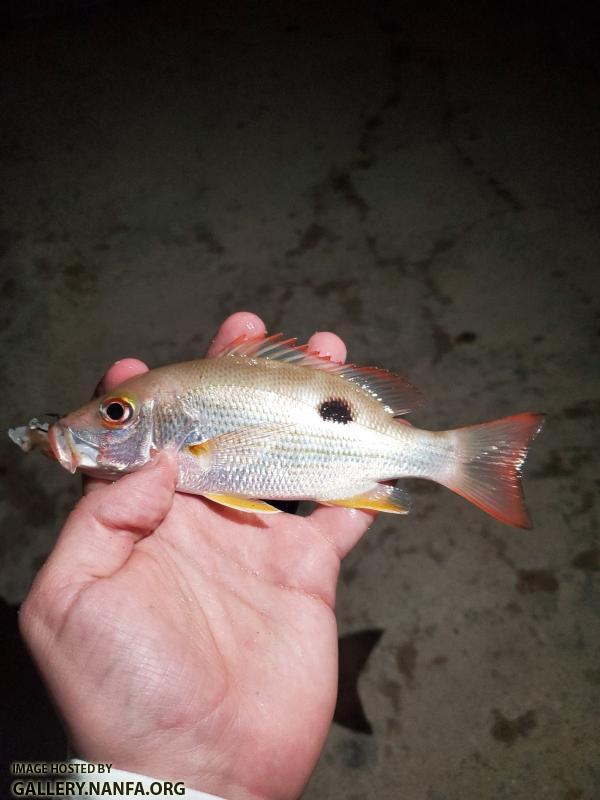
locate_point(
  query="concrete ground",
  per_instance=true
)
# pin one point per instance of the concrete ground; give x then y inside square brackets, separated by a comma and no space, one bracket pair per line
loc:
[425,182]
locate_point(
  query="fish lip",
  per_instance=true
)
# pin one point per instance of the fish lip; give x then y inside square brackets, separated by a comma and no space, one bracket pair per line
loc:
[69,449]
[60,446]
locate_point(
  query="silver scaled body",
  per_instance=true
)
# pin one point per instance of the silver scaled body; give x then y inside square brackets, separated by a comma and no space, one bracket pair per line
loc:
[300,455]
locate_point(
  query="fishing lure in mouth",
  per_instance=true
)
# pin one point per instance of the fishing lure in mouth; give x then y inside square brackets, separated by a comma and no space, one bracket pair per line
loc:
[268,420]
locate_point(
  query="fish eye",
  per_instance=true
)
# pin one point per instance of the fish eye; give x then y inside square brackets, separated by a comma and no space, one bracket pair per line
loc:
[116,411]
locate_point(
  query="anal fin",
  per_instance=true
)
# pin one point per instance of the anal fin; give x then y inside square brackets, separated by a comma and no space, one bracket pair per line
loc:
[389,499]
[246,504]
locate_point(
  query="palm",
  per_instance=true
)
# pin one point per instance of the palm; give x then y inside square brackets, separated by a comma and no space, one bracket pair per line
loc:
[226,630]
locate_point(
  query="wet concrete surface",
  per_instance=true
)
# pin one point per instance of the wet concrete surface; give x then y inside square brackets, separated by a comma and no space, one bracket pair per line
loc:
[425,182]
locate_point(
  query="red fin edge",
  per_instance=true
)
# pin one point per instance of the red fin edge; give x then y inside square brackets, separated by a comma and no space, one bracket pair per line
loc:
[397,395]
[490,460]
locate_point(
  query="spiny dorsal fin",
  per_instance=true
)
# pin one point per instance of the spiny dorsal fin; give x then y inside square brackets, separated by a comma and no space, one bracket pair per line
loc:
[396,394]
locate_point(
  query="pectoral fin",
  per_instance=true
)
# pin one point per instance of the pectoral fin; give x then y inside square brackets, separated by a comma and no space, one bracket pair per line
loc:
[242,503]
[241,446]
[389,499]
[238,447]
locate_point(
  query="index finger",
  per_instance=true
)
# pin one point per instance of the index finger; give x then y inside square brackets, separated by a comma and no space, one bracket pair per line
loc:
[238,324]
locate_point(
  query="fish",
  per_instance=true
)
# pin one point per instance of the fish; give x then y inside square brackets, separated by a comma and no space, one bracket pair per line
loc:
[268,420]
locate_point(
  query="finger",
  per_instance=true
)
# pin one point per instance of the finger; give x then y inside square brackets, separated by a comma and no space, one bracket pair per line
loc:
[242,322]
[119,372]
[101,532]
[327,344]
[343,527]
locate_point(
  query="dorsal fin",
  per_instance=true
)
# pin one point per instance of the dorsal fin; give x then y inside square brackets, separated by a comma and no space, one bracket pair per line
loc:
[396,394]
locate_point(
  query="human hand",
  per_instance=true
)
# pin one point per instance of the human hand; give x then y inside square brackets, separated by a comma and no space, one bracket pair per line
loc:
[188,641]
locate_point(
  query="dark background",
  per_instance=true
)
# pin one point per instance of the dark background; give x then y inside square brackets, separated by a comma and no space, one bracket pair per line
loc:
[423,179]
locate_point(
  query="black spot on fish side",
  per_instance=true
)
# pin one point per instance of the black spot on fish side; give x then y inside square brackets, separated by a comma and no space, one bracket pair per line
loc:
[336,410]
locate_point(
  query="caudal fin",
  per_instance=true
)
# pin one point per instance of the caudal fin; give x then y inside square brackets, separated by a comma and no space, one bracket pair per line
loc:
[490,459]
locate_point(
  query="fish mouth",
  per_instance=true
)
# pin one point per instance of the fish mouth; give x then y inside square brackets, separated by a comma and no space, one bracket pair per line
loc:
[70,450]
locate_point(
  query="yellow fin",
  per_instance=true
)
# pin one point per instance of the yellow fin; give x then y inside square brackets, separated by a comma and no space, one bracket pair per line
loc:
[201,449]
[242,503]
[385,498]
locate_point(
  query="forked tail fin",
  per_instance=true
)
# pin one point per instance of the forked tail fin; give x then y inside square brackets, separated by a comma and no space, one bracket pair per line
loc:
[490,458]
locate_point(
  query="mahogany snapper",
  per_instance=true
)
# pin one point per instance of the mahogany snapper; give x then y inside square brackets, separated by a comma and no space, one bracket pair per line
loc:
[267,419]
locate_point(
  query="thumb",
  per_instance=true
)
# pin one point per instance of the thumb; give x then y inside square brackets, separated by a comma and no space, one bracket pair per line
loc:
[100,533]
